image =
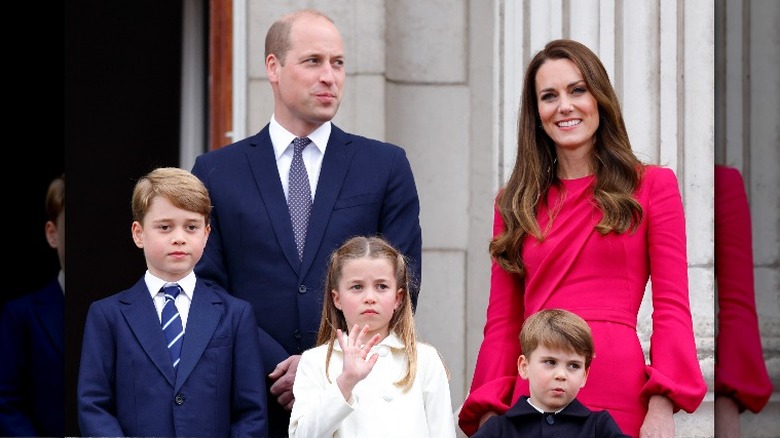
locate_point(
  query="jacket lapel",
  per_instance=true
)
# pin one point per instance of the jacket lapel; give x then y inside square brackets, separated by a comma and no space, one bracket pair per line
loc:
[335,164]
[141,316]
[262,161]
[206,311]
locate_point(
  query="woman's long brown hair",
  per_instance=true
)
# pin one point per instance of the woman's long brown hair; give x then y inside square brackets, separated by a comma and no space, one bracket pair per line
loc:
[617,169]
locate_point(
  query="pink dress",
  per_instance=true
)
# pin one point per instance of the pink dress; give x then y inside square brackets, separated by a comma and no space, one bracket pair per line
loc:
[740,371]
[602,279]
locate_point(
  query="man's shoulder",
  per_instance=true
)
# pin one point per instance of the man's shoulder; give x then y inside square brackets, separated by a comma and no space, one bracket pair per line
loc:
[340,135]
[238,145]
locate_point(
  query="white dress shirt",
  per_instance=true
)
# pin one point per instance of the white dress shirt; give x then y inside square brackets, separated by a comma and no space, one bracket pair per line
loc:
[183,300]
[282,139]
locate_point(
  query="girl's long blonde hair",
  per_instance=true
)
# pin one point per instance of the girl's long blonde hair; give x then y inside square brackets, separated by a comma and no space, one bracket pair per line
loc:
[402,321]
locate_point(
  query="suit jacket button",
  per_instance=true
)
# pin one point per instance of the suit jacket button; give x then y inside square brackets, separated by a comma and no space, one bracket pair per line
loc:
[179,399]
[302,289]
[297,334]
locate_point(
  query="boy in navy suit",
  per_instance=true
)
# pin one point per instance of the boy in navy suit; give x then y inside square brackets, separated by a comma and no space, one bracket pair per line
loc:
[32,388]
[133,380]
[557,348]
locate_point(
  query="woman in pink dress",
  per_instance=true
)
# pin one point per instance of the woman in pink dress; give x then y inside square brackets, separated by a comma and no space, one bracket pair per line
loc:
[583,225]
[741,378]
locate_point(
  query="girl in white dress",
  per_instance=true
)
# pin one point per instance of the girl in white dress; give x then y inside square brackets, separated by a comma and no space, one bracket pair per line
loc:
[369,376]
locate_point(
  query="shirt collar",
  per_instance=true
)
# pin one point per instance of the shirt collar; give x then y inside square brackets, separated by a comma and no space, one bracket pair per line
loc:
[154,284]
[542,411]
[281,137]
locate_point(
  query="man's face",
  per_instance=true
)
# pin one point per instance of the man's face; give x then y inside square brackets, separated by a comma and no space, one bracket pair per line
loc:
[308,86]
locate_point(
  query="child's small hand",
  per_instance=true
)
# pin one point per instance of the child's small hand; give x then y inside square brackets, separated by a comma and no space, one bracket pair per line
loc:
[357,363]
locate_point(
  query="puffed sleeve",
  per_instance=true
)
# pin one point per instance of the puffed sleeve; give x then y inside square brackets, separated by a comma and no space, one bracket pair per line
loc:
[674,369]
[496,369]
[740,370]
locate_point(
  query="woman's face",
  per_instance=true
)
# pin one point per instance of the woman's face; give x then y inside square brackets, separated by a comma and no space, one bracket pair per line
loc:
[568,111]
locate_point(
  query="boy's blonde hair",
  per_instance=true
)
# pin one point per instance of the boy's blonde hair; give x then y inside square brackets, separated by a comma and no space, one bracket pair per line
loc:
[557,329]
[180,187]
[402,321]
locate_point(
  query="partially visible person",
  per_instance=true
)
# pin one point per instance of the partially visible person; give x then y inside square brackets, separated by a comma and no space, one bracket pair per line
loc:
[369,376]
[135,380]
[557,350]
[583,225]
[741,378]
[32,366]
[357,186]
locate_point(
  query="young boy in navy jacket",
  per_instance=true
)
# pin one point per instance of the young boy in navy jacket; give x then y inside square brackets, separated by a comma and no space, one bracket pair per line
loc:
[557,348]
[202,381]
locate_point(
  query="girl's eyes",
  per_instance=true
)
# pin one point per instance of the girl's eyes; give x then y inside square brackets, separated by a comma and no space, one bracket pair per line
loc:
[359,287]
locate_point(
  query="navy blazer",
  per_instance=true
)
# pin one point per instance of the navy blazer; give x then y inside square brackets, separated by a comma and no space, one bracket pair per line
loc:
[32,367]
[574,421]
[127,385]
[365,187]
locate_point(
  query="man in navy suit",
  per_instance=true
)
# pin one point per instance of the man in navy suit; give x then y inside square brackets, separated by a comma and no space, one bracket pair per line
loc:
[135,379]
[32,367]
[359,186]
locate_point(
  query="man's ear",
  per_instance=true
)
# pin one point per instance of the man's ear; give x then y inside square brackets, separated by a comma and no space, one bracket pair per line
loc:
[272,66]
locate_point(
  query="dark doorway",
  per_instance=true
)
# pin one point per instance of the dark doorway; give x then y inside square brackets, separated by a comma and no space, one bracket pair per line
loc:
[122,117]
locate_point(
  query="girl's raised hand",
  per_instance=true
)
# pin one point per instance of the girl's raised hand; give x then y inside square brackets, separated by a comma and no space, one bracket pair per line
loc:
[357,363]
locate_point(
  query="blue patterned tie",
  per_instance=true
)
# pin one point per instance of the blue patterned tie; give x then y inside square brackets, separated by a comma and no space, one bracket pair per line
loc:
[299,196]
[171,322]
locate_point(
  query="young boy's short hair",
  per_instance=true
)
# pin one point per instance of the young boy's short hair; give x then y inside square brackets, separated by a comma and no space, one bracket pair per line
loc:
[557,329]
[183,189]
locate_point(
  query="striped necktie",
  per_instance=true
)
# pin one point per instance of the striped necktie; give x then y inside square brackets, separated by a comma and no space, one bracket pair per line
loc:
[171,323]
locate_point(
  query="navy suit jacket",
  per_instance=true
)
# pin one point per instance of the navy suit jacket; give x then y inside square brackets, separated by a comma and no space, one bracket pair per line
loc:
[127,385]
[32,368]
[365,187]
[574,421]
